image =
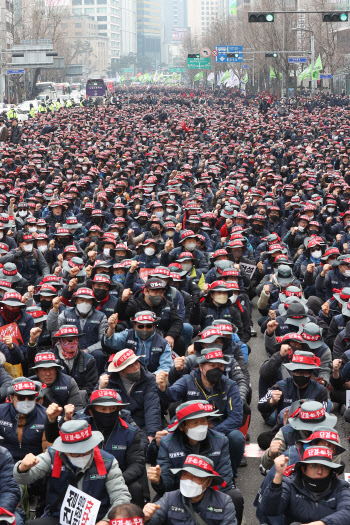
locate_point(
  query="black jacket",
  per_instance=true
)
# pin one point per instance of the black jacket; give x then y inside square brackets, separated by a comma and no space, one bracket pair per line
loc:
[16,133]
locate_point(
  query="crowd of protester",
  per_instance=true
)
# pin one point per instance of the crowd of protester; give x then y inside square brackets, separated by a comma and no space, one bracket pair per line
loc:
[136,239]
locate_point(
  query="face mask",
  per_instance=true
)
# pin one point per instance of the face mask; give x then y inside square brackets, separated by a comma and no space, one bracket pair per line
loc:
[100,294]
[149,251]
[301,381]
[301,229]
[274,218]
[32,229]
[222,265]
[69,348]
[317,485]
[154,231]
[41,230]
[25,407]
[118,278]
[190,246]
[170,210]
[257,228]
[186,267]
[233,298]
[106,252]
[331,210]
[317,254]
[190,489]
[28,248]
[155,300]
[198,433]
[221,298]
[245,187]
[159,214]
[144,334]
[347,273]
[42,248]
[2,187]
[45,305]
[84,308]
[214,375]
[22,213]
[133,376]
[80,462]
[105,421]
[170,233]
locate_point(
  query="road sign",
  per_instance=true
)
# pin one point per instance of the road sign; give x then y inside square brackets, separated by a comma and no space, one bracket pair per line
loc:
[224,50]
[214,53]
[199,63]
[127,70]
[177,69]
[245,66]
[15,72]
[297,60]
[324,77]
[205,52]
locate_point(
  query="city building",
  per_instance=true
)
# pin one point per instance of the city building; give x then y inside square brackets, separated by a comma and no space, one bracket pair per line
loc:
[174,22]
[149,30]
[201,13]
[6,24]
[128,37]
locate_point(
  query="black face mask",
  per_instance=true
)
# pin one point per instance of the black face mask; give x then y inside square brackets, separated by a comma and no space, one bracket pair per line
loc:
[257,228]
[274,218]
[318,485]
[214,375]
[154,231]
[301,381]
[45,305]
[105,421]
[100,294]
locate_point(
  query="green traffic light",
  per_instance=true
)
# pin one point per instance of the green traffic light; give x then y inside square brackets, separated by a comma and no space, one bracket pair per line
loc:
[344,17]
[269,18]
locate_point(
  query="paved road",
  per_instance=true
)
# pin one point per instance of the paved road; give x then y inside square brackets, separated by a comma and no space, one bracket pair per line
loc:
[249,478]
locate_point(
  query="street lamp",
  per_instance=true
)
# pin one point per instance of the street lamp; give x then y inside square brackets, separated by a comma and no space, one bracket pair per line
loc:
[312,38]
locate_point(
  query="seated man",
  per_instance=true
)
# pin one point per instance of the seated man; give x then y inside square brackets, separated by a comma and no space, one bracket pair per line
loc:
[22,421]
[196,501]
[60,387]
[10,493]
[135,385]
[208,382]
[188,434]
[142,339]
[74,459]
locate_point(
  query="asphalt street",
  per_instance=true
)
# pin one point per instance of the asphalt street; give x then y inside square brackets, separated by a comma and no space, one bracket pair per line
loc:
[249,477]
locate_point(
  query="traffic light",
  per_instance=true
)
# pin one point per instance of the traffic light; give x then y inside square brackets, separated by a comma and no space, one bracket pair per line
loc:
[271,55]
[193,55]
[261,17]
[335,17]
[232,55]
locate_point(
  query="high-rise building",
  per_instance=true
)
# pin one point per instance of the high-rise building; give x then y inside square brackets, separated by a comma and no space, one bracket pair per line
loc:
[149,30]
[174,22]
[6,24]
[128,38]
[201,13]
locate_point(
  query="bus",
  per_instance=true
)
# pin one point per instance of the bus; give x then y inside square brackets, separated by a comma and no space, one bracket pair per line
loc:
[45,89]
[110,85]
[95,88]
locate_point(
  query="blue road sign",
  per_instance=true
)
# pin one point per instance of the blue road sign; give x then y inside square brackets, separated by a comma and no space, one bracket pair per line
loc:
[15,72]
[325,76]
[222,54]
[297,60]
[245,66]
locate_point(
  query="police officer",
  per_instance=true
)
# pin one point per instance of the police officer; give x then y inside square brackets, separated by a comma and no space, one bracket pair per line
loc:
[74,459]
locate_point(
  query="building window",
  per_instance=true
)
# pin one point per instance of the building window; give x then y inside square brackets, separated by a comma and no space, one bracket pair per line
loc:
[102,26]
[77,11]
[77,25]
[101,10]
[102,19]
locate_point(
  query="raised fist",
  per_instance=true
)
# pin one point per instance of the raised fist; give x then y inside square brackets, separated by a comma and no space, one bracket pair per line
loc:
[162,379]
[271,327]
[56,302]
[127,293]
[113,321]
[179,363]
[154,473]
[104,380]
[28,462]
[53,412]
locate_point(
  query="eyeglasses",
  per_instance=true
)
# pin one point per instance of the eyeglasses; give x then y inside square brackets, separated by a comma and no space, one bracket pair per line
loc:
[315,248]
[145,326]
[30,397]
[317,466]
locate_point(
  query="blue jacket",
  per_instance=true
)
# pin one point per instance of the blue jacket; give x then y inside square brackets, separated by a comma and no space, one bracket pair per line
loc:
[333,279]
[93,484]
[143,398]
[167,258]
[32,434]
[10,494]
[297,504]
[147,262]
[156,349]
[226,399]
[108,307]
[91,327]
[175,447]
[212,508]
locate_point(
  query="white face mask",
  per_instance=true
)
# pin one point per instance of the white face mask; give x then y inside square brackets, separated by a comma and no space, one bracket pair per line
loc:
[198,433]
[69,176]
[220,298]
[190,489]
[245,187]
[331,210]
[80,462]
[106,252]
[32,229]
[170,210]
[28,247]
[233,298]
[149,251]
[22,213]
[347,273]
[316,255]
[2,187]
[301,228]
[190,246]
[84,168]
[42,248]
[170,233]
[84,308]
[38,166]
[159,214]
[41,230]
[24,407]
[186,267]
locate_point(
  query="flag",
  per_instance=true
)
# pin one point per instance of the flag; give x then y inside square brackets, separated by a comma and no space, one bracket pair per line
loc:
[155,78]
[305,74]
[198,76]
[122,79]
[225,76]
[211,77]
[272,73]
[117,77]
[245,79]
[133,79]
[318,64]
[146,77]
